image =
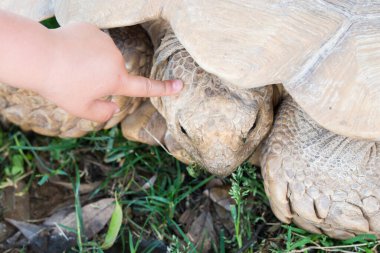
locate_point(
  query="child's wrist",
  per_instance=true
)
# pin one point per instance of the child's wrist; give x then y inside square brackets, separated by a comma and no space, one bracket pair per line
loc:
[50,61]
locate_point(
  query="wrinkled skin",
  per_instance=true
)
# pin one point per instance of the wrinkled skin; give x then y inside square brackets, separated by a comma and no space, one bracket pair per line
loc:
[323,182]
[219,126]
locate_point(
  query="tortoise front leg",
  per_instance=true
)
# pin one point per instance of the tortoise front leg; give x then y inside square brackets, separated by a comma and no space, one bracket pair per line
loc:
[321,181]
[146,125]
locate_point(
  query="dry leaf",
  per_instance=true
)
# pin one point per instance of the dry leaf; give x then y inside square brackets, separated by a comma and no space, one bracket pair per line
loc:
[224,218]
[15,205]
[202,232]
[28,230]
[220,196]
[16,202]
[47,198]
[215,182]
[56,238]
[40,239]
[95,217]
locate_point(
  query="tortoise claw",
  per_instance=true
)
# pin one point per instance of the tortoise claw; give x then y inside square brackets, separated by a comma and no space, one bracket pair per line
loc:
[277,189]
[324,183]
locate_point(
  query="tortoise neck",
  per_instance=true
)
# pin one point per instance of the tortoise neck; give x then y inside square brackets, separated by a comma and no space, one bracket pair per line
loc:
[156,30]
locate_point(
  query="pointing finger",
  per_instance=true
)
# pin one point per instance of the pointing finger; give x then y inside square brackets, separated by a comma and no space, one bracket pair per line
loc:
[138,86]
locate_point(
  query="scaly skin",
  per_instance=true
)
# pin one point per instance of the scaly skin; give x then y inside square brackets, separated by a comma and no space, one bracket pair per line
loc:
[323,182]
[219,126]
[32,112]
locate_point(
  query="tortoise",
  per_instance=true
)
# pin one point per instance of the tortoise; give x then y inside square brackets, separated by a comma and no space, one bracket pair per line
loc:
[219,155]
[321,160]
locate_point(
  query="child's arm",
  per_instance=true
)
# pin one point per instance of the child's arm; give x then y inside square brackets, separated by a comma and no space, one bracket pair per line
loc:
[73,66]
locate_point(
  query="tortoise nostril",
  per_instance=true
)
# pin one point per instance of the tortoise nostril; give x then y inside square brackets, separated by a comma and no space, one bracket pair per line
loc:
[183,130]
[252,128]
[244,139]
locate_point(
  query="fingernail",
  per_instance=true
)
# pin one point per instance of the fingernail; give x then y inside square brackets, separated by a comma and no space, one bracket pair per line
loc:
[177,85]
[117,110]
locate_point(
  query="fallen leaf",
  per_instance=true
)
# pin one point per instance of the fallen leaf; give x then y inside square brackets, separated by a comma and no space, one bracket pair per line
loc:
[187,217]
[220,196]
[215,182]
[202,232]
[16,202]
[5,231]
[28,230]
[46,199]
[39,238]
[56,234]
[224,218]
[95,217]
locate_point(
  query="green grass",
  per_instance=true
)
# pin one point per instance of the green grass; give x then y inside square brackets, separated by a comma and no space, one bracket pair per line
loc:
[151,214]
[50,23]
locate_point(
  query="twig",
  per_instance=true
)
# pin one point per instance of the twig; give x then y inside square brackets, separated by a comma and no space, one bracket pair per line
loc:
[158,141]
[61,231]
[333,248]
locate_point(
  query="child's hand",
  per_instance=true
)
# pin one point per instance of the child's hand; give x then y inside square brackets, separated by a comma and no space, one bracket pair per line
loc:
[74,67]
[87,66]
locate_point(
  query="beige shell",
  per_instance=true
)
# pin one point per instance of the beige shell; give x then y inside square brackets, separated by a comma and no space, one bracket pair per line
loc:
[326,53]
[34,9]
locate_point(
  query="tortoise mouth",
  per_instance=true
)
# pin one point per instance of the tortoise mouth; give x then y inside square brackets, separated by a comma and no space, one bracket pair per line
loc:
[221,172]
[217,159]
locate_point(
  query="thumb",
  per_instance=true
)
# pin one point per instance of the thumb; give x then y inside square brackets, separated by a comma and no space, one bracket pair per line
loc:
[139,86]
[101,110]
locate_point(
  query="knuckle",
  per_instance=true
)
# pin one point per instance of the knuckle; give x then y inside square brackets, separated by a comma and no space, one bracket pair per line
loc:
[99,119]
[74,111]
[167,86]
[148,86]
[105,116]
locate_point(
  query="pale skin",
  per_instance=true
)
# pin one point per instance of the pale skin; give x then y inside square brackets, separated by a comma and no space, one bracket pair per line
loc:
[73,66]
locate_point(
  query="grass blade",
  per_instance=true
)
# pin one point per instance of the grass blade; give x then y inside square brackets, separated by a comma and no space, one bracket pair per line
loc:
[114,226]
[364,238]
[78,210]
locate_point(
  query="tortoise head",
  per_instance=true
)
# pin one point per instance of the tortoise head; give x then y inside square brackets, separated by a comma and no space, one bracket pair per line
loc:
[218,125]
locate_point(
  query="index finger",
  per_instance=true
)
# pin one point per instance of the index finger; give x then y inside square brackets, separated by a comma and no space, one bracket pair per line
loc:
[139,86]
